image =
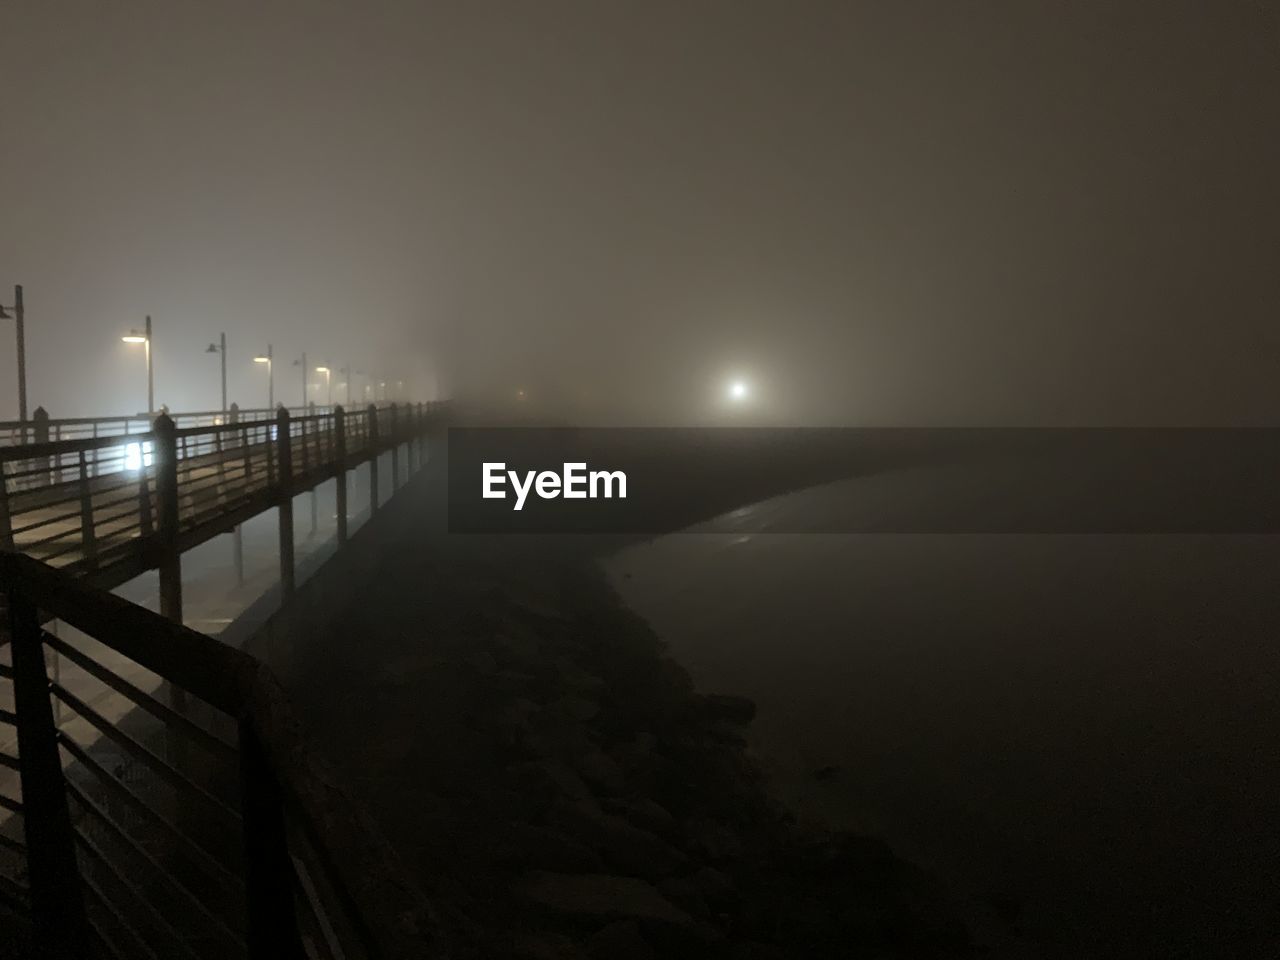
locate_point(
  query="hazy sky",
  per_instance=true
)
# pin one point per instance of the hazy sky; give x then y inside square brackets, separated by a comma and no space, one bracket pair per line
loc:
[889,212]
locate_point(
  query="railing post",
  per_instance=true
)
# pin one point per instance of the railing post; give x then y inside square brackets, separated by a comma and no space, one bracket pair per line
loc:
[57,901]
[272,926]
[315,507]
[6,521]
[164,449]
[411,438]
[88,535]
[373,459]
[165,458]
[340,472]
[284,473]
[237,537]
[395,448]
[421,439]
[40,433]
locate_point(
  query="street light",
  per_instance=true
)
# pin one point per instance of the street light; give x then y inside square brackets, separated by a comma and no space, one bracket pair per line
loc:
[19,318]
[271,378]
[303,364]
[221,348]
[349,372]
[144,338]
[328,382]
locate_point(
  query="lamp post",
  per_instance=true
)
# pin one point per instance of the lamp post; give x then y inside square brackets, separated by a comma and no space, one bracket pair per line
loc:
[328,382]
[19,319]
[303,364]
[221,348]
[271,377]
[144,338]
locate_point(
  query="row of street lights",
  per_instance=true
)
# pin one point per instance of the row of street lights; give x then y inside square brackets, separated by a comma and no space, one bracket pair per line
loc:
[144,337]
[16,311]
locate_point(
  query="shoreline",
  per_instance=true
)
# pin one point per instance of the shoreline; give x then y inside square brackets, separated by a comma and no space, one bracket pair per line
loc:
[560,788]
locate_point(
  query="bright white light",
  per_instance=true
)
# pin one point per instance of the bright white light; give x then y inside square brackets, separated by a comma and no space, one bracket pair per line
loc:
[136,455]
[738,390]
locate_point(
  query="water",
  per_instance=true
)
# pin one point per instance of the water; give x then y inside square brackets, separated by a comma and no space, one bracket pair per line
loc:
[1085,725]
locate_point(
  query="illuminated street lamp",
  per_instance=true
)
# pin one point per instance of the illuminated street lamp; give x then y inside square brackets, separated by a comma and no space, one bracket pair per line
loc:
[221,348]
[303,364]
[19,327]
[271,377]
[328,382]
[349,373]
[144,338]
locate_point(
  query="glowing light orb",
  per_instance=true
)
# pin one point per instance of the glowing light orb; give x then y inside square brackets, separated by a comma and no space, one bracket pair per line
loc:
[137,456]
[738,390]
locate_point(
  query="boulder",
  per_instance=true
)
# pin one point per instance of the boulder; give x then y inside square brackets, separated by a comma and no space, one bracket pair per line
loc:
[574,709]
[684,893]
[723,706]
[599,897]
[716,888]
[601,771]
[620,940]
[643,812]
[543,783]
[624,846]
[524,846]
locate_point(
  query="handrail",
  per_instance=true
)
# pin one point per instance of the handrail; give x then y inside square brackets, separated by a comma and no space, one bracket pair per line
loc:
[102,505]
[283,779]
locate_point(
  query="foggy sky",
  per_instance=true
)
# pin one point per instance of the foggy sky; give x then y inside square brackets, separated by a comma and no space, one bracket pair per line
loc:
[908,212]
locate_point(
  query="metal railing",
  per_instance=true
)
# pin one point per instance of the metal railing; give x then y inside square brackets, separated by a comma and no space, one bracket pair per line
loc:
[239,841]
[44,429]
[112,506]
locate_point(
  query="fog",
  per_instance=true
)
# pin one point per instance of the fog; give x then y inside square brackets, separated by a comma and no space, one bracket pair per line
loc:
[895,213]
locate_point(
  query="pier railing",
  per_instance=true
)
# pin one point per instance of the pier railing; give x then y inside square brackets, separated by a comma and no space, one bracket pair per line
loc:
[239,841]
[112,506]
[44,429]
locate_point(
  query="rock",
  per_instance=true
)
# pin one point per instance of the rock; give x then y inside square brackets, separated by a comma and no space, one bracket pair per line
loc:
[643,812]
[600,770]
[526,847]
[726,731]
[574,678]
[546,946]
[625,846]
[559,741]
[684,893]
[716,888]
[717,841]
[620,940]
[518,649]
[599,896]
[675,674]
[721,706]
[512,681]
[574,709]
[544,783]
[481,661]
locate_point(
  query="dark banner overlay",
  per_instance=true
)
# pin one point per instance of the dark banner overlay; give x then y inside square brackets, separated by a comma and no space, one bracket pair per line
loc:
[652,481]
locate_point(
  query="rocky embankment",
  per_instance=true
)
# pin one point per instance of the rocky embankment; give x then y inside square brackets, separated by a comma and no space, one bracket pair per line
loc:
[562,791]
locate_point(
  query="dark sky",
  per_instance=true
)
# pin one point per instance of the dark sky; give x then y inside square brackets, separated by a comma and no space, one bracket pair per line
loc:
[892,212]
